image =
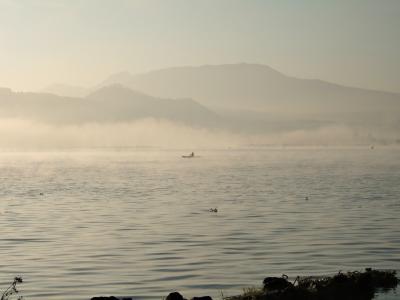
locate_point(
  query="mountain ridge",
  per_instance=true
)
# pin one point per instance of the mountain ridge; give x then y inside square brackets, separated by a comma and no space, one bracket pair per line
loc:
[103,105]
[255,86]
[125,74]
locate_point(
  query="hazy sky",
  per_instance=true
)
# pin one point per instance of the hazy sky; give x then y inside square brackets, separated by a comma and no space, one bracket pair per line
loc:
[354,42]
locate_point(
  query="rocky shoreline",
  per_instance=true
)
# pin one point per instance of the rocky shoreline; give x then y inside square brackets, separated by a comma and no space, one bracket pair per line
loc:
[342,286]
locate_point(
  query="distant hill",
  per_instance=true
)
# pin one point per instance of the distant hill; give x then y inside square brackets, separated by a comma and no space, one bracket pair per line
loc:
[66,90]
[257,87]
[124,103]
[108,104]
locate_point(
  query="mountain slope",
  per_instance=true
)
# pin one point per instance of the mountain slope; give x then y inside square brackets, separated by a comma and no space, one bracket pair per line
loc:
[257,87]
[122,102]
[108,104]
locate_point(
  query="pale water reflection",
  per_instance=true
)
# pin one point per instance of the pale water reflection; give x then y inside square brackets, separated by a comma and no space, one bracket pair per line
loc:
[137,223]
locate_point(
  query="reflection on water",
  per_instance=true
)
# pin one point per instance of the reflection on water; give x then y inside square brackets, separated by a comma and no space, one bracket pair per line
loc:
[138,223]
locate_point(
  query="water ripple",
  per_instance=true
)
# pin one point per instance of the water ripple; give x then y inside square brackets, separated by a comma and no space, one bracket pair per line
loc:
[138,223]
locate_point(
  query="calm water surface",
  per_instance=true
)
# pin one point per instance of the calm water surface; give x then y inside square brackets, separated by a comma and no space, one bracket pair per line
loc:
[136,223]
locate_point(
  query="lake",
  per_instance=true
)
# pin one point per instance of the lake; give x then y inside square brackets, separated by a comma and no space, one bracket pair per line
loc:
[136,222]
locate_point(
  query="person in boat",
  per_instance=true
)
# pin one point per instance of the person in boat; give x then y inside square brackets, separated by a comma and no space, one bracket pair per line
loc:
[188,156]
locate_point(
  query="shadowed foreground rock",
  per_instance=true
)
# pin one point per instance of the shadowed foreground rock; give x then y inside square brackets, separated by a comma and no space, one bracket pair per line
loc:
[277,283]
[178,296]
[202,298]
[342,286]
[174,296]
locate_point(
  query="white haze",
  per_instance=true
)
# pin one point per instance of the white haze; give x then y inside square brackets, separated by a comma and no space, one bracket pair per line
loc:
[20,134]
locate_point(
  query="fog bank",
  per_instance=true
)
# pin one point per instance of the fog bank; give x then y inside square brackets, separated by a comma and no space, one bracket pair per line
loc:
[20,134]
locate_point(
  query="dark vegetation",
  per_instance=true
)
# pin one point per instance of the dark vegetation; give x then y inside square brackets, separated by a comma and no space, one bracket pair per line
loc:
[12,289]
[344,286]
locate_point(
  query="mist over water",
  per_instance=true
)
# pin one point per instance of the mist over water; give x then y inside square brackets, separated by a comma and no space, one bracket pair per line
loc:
[136,223]
[23,134]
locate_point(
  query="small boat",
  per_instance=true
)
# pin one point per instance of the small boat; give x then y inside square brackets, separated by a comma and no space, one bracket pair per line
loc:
[191,155]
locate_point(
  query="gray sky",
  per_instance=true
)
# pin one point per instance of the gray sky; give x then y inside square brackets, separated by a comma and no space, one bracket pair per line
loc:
[352,42]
